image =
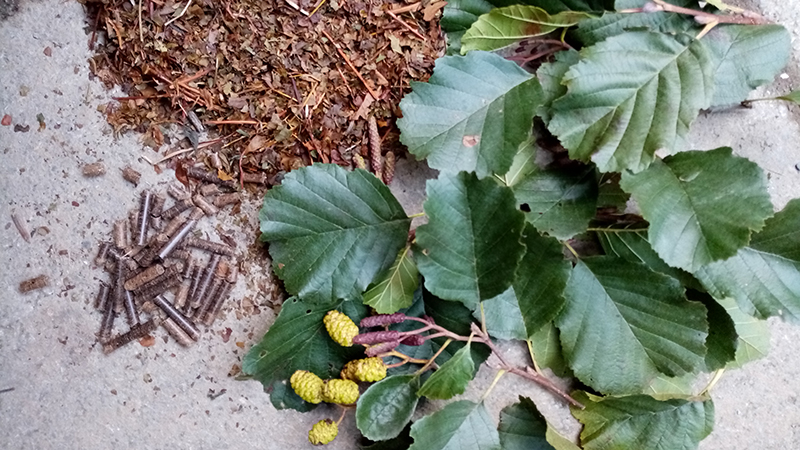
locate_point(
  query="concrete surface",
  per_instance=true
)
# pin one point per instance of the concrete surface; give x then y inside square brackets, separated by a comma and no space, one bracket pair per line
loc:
[68,395]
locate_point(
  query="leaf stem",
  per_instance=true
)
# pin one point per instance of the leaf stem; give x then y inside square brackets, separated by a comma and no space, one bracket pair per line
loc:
[404,357]
[702,17]
[528,373]
[341,416]
[717,376]
[416,215]
[497,377]
[433,358]
[571,250]
[483,320]
[617,230]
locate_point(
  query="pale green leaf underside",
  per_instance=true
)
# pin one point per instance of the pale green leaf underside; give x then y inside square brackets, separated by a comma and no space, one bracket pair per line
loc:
[451,378]
[395,287]
[642,422]
[546,347]
[702,206]
[510,24]
[631,95]
[461,425]
[469,249]
[746,56]
[594,30]
[331,231]
[502,315]
[637,319]
[763,277]
[753,334]
[663,387]
[383,411]
[471,115]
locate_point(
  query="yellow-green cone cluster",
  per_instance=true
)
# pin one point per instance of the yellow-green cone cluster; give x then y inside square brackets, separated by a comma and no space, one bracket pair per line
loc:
[323,432]
[343,392]
[367,369]
[340,328]
[307,385]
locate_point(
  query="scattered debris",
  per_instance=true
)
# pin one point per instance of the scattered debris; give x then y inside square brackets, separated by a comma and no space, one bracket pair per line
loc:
[40,119]
[154,272]
[93,170]
[131,175]
[19,222]
[6,120]
[34,283]
[22,128]
[48,51]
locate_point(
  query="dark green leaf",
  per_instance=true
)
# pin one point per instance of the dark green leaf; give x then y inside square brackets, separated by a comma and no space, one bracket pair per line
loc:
[541,278]
[401,442]
[451,378]
[631,95]
[753,334]
[746,56]
[763,277]
[331,231]
[505,26]
[701,206]
[470,246]
[461,425]
[387,406]
[557,6]
[550,76]
[546,347]
[631,244]
[610,194]
[722,338]
[471,115]
[298,341]
[503,319]
[637,319]
[592,31]
[642,422]
[523,427]
[284,397]
[458,319]
[559,201]
[395,287]
[457,17]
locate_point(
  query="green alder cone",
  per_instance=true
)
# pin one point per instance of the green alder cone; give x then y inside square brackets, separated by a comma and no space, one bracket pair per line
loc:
[702,205]
[522,427]
[298,340]
[331,231]
[451,378]
[470,248]
[383,411]
[631,95]
[461,425]
[639,320]
[471,115]
[763,277]
[642,422]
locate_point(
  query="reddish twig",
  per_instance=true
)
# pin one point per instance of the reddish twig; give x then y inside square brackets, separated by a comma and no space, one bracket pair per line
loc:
[405,25]
[350,64]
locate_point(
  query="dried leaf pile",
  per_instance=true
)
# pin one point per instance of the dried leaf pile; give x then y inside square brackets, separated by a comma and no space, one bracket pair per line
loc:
[282,83]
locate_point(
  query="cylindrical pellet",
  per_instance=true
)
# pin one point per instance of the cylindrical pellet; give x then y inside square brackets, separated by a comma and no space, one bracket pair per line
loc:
[170,246]
[179,318]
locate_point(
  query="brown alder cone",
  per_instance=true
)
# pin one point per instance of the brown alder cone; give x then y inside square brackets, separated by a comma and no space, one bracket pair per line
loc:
[375,149]
[388,170]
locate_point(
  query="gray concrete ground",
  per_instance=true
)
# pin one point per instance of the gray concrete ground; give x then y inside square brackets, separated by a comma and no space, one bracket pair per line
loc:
[68,395]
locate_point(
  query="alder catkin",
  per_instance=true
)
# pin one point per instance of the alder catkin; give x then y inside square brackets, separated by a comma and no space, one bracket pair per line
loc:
[375,148]
[388,169]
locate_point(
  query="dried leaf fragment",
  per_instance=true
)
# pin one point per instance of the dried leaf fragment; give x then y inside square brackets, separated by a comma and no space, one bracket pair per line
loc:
[21,227]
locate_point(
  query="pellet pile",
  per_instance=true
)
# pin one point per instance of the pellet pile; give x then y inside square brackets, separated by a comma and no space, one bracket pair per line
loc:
[160,269]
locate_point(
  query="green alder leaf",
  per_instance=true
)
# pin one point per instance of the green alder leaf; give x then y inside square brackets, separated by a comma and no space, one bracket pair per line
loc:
[753,334]
[610,194]
[541,278]
[471,115]
[631,95]
[395,288]
[557,6]
[559,201]
[461,425]
[642,422]
[284,397]
[546,346]
[331,231]
[637,319]
[470,246]
[501,27]
[701,205]
[503,318]
[763,277]
[401,442]
[298,340]
[722,338]
[383,411]
[664,388]
[457,318]
[451,378]
[559,442]
[550,75]
[631,244]
[592,31]
[793,97]
[523,427]
[746,56]
[457,17]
